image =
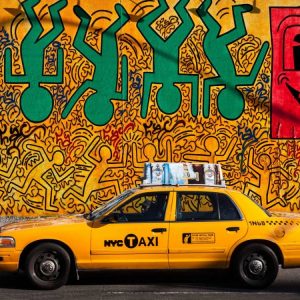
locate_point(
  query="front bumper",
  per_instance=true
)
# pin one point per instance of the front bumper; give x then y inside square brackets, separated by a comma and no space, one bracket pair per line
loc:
[9,260]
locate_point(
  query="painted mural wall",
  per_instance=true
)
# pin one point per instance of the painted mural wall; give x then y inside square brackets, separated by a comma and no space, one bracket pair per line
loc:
[91,90]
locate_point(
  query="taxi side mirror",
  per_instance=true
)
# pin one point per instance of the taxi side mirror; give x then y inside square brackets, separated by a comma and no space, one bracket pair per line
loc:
[112,218]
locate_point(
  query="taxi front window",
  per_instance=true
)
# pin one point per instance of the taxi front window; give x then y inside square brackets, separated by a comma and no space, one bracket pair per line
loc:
[148,207]
[108,205]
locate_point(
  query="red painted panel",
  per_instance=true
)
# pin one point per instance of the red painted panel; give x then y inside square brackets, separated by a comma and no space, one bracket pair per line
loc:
[285,113]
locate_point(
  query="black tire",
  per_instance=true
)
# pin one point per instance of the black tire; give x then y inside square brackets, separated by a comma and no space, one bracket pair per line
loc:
[256,266]
[47,266]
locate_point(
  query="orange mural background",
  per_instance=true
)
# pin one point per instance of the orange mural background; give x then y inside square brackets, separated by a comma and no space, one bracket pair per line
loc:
[71,161]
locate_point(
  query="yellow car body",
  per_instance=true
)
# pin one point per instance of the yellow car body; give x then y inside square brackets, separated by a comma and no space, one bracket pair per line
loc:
[195,230]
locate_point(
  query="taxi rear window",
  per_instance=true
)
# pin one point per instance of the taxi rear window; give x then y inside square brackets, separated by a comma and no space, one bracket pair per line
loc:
[205,206]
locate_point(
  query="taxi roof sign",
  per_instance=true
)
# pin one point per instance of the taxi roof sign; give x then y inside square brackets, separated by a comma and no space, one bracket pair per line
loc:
[167,173]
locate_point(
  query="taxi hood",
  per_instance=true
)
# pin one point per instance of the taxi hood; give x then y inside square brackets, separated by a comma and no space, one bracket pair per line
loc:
[42,221]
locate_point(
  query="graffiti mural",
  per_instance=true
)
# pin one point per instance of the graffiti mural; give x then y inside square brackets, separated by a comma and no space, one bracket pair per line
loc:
[92,90]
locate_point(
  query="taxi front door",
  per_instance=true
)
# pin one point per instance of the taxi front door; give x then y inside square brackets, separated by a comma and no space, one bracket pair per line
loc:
[135,235]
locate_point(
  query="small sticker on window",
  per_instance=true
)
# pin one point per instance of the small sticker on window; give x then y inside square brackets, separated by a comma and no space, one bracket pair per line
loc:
[198,238]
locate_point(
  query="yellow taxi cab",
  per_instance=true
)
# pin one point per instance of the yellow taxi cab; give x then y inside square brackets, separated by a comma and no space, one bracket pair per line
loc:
[157,227]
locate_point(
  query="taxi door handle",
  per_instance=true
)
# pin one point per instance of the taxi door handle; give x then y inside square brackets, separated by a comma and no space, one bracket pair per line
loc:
[236,229]
[159,229]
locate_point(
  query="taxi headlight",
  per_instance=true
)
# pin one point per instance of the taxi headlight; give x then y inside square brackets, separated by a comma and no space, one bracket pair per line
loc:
[7,242]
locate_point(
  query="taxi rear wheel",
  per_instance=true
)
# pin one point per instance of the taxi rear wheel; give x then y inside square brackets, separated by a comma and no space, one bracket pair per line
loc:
[256,266]
[47,266]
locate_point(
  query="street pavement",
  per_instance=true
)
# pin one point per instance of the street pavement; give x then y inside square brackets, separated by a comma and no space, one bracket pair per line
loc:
[154,285]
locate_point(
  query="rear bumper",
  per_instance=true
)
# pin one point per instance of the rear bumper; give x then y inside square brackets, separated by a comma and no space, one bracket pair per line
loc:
[9,260]
[291,256]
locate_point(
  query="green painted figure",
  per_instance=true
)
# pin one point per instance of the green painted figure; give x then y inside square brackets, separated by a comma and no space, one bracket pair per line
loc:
[230,100]
[98,107]
[36,102]
[166,61]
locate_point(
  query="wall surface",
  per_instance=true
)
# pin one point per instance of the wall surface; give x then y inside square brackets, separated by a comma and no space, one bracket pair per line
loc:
[91,90]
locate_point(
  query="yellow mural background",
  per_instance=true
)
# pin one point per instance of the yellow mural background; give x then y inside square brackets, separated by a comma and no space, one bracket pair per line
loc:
[72,166]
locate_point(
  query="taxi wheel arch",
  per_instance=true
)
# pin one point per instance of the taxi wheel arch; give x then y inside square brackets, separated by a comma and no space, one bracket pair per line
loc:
[58,246]
[256,264]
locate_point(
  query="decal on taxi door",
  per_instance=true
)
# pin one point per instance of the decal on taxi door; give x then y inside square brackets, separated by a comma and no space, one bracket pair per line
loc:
[132,241]
[198,238]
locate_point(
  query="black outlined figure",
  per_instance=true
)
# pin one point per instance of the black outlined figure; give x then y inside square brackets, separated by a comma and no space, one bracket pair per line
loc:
[96,168]
[264,173]
[211,153]
[38,173]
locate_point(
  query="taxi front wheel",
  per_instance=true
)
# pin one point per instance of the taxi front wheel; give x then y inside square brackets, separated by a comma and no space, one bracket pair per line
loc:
[256,266]
[47,266]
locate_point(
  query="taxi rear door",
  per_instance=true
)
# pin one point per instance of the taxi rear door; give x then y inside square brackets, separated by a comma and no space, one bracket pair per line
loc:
[205,228]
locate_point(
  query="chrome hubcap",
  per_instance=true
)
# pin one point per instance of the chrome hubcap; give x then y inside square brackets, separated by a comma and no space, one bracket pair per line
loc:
[256,267]
[48,267]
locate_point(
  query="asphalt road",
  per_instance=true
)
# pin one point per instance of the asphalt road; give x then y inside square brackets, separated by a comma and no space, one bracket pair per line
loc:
[154,285]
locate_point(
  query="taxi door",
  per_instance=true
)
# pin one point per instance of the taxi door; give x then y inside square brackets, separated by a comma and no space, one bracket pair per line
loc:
[205,228]
[133,235]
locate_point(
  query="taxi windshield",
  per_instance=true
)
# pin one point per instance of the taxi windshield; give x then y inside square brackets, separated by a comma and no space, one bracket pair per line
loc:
[108,205]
